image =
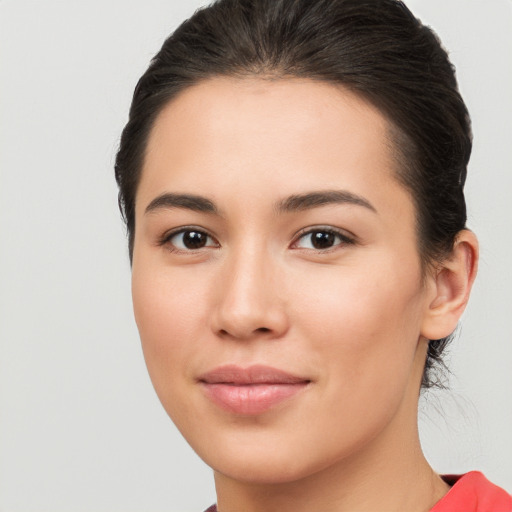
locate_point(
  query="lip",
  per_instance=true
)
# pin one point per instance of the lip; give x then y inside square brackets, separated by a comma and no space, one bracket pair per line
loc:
[252,390]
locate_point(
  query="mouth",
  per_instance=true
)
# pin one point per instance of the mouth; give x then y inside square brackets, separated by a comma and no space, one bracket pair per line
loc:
[252,390]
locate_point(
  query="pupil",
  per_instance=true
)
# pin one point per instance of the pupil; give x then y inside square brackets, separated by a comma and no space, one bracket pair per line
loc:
[322,240]
[194,240]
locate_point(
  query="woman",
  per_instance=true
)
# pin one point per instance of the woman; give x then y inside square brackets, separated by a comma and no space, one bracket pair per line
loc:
[292,179]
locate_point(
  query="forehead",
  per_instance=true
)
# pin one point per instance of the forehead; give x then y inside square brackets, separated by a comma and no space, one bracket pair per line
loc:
[251,134]
[288,109]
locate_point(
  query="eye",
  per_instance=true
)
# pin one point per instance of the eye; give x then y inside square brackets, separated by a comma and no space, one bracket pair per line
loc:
[189,240]
[321,239]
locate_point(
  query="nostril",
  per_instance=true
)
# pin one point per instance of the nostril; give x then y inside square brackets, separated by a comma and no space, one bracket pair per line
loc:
[260,330]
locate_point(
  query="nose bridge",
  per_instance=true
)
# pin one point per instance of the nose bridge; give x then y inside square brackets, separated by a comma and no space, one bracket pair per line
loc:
[249,301]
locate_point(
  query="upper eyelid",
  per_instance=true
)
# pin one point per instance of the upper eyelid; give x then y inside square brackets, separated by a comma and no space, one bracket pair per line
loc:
[344,240]
[343,233]
[167,235]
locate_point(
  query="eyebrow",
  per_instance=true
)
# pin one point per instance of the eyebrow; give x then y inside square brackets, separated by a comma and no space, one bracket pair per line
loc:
[311,200]
[296,202]
[187,201]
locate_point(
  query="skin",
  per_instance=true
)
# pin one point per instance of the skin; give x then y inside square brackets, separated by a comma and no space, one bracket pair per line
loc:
[353,319]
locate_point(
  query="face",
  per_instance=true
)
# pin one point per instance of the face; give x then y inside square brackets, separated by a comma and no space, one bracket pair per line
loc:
[276,278]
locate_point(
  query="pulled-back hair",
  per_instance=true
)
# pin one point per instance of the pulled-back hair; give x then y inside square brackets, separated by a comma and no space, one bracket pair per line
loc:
[375,48]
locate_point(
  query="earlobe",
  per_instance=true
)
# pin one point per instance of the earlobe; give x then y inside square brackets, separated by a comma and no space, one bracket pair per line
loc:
[452,284]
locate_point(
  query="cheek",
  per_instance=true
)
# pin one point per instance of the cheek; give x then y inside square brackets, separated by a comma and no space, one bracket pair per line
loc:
[169,318]
[372,298]
[364,324]
[362,329]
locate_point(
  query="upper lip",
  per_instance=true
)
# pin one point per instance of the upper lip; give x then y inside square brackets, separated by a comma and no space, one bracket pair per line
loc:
[255,374]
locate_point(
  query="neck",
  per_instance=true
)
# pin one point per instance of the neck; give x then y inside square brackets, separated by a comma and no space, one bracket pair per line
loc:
[399,482]
[389,474]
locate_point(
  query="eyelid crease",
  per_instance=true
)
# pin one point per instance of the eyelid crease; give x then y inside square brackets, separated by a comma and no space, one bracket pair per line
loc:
[345,235]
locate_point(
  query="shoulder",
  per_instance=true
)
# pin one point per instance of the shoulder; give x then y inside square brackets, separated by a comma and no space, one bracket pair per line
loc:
[472,492]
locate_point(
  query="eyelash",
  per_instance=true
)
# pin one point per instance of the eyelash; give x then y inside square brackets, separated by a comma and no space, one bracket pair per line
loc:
[341,236]
[168,236]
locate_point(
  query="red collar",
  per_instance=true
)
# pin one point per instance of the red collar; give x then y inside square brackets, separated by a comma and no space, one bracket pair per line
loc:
[472,492]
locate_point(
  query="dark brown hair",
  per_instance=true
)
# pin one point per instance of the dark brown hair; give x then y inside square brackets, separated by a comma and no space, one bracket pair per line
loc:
[375,48]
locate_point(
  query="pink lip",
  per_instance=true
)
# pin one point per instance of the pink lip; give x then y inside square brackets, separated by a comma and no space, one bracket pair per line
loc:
[251,390]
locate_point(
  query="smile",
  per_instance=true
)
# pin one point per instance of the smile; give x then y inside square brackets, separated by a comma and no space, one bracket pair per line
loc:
[252,390]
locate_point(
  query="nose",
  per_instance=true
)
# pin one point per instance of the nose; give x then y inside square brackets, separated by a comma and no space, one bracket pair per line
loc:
[249,300]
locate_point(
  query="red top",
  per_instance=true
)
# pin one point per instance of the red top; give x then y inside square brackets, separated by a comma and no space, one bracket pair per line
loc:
[471,492]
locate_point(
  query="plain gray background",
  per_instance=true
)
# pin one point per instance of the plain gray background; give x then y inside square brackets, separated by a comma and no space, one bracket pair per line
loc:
[80,426]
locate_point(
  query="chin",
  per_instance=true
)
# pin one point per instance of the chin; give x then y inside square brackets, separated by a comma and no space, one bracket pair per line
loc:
[264,470]
[267,460]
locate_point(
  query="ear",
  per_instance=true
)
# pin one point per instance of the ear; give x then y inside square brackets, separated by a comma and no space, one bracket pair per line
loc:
[450,286]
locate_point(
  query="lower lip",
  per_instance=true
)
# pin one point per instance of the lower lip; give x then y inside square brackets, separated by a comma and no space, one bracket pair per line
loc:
[251,399]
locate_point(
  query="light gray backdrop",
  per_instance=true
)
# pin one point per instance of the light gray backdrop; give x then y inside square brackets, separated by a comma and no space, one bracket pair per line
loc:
[80,426]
